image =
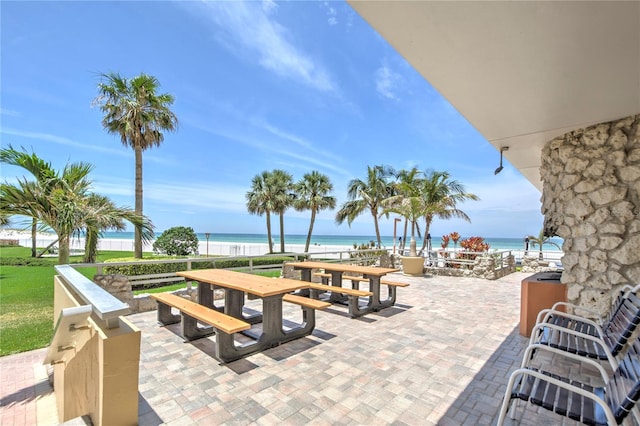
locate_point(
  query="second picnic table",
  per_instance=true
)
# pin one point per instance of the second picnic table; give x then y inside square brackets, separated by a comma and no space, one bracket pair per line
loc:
[372,273]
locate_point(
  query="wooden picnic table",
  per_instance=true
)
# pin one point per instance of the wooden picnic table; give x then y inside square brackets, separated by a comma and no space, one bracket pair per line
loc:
[373,273]
[271,291]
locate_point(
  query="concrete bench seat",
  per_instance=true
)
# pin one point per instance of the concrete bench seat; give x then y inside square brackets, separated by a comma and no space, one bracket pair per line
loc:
[394,283]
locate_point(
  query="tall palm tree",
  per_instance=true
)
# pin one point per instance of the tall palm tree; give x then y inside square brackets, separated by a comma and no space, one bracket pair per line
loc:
[139,115]
[312,194]
[61,202]
[281,185]
[367,195]
[441,195]
[259,201]
[39,168]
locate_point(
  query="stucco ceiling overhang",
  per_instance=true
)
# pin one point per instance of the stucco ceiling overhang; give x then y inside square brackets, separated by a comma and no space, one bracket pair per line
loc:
[522,73]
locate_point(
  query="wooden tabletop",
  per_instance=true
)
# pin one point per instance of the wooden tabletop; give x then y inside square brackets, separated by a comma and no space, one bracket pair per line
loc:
[364,270]
[254,284]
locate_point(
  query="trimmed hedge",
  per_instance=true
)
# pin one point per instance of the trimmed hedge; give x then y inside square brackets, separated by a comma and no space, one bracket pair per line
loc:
[145,267]
[26,261]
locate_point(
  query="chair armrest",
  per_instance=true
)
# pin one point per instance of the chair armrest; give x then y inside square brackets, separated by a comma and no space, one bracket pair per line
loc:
[597,326]
[538,347]
[595,398]
[598,340]
[554,310]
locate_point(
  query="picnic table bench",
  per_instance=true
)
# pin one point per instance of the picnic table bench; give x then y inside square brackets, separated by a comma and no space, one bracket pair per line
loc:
[192,313]
[272,292]
[334,272]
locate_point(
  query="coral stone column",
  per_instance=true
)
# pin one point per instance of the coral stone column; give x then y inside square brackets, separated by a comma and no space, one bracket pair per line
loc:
[591,198]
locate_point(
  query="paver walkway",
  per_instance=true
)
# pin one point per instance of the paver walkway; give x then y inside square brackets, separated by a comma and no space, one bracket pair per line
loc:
[442,356]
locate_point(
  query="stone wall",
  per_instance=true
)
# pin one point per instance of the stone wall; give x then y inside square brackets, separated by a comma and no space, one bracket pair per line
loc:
[534,264]
[483,267]
[591,198]
[120,287]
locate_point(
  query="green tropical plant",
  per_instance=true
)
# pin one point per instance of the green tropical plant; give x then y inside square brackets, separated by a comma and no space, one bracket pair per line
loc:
[39,168]
[61,201]
[540,241]
[367,195]
[412,208]
[407,183]
[311,193]
[281,184]
[104,215]
[259,201]
[177,241]
[441,195]
[270,193]
[135,111]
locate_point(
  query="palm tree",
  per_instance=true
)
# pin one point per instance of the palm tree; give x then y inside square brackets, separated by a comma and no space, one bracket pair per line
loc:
[367,195]
[259,201]
[407,183]
[102,215]
[541,240]
[311,194]
[138,114]
[441,195]
[62,202]
[39,168]
[281,185]
[412,209]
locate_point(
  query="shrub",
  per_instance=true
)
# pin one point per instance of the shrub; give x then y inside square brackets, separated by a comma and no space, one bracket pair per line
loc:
[24,261]
[474,244]
[145,267]
[368,258]
[177,241]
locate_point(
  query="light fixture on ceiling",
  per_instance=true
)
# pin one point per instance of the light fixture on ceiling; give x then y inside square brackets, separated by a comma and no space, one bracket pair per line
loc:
[502,149]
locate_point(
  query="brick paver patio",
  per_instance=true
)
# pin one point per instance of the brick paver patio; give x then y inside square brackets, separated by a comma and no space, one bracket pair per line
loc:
[442,356]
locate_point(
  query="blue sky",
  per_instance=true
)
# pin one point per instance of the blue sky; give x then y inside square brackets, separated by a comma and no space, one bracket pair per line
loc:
[298,86]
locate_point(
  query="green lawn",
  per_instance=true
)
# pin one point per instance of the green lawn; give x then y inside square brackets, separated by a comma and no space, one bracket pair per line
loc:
[26,296]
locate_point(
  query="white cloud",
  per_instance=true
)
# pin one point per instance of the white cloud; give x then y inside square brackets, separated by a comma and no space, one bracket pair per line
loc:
[210,196]
[280,145]
[269,6]
[332,14]
[9,113]
[387,82]
[509,192]
[247,30]
[61,140]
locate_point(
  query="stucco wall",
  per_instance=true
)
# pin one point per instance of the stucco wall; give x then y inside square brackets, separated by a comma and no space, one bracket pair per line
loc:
[100,378]
[591,198]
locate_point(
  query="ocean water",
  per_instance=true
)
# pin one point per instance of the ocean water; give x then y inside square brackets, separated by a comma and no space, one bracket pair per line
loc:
[341,240]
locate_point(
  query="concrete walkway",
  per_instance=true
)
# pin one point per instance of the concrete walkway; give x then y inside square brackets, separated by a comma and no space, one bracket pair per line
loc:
[442,356]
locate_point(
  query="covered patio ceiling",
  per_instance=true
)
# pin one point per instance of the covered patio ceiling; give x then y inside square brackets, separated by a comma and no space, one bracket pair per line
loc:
[522,73]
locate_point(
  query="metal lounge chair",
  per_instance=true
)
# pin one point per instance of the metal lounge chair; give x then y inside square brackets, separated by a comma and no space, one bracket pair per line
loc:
[592,405]
[555,316]
[587,338]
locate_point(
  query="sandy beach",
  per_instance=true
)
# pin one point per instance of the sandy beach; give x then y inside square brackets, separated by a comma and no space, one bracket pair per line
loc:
[217,248]
[225,248]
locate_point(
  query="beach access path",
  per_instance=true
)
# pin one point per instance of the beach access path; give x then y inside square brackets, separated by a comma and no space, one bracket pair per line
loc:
[442,355]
